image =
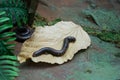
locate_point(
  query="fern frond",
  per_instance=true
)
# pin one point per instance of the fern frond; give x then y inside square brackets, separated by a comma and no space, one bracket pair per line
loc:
[5,37]
[8,62]
[8,67]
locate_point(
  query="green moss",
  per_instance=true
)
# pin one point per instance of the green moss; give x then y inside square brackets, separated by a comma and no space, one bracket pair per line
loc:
[54,22]
[88,71]
[39,21]
[117,55]
[109,36]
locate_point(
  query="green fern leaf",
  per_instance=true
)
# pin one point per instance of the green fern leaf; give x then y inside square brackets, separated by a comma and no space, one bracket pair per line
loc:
[2,13]
[9,46]
[10,68]
[9,39]
[3,19]
[7,34]
[5,27]
[8,57]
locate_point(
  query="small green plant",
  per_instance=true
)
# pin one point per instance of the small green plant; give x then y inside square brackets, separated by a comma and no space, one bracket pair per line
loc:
[8,61]
[41,21]
[16,10]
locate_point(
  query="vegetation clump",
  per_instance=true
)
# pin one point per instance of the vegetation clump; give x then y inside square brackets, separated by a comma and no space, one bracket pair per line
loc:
[8,61]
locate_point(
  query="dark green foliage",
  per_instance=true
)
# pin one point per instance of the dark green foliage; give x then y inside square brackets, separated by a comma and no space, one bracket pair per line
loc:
[16,11]
[8,62]
[102,23]
[109,36]
[117,55]
[103,19]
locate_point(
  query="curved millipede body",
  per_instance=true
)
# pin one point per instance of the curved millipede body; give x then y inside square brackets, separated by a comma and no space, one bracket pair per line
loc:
[55,52]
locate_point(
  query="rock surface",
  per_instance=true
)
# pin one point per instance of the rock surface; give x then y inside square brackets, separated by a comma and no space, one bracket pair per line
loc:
[72,10]
[68,9]
[98,62]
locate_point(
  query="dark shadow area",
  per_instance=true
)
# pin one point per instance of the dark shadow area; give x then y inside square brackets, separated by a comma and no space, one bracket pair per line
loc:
[29,64]
[32,65]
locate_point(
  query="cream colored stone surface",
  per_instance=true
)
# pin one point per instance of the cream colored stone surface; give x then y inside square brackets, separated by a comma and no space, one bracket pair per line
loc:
[53,36]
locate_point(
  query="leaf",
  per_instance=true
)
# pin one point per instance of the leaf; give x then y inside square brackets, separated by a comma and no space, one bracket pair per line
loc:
[10,68]
[8,57]
[5,27]
[10,39]
[7,34]
[2,13]
[9,46]
[4,19]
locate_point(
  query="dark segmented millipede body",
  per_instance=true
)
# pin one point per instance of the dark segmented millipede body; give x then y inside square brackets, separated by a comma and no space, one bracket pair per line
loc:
[54,52]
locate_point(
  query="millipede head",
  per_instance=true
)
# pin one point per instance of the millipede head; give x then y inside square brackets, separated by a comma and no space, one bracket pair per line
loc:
[71,38]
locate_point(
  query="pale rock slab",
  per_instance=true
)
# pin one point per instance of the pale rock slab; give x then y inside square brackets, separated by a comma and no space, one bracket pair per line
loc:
[53,36]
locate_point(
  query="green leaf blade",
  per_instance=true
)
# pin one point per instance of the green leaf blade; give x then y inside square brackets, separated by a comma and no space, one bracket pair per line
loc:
[5,27]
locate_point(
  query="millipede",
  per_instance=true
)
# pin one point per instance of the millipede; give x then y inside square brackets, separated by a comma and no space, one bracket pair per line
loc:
[55,52]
